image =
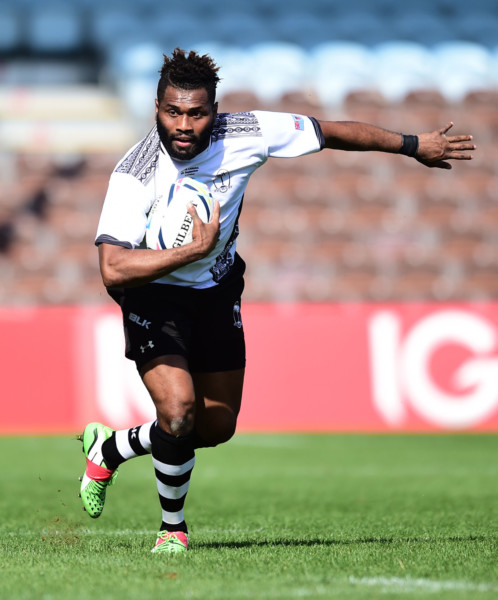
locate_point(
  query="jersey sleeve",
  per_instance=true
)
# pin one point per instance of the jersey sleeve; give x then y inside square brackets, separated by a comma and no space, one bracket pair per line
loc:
[124,215]
[287,135]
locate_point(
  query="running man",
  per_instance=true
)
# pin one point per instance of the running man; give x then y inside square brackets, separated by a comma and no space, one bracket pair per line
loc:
[182,307]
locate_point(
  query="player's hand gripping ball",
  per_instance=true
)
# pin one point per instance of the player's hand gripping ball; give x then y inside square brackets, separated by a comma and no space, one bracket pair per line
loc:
[169,224]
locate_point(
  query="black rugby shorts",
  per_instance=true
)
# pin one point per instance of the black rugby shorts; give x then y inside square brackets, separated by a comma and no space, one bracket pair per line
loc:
[204,326]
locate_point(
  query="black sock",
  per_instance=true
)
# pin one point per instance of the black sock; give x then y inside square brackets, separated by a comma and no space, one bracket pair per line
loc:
[173,459]
[125,444]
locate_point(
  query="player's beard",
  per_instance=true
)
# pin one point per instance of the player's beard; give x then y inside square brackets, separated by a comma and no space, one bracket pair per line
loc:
[199,143]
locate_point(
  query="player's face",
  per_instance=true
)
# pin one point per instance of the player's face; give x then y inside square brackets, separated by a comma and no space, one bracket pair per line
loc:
[185,120]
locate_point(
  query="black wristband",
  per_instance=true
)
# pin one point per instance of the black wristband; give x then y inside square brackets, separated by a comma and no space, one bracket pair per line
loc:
[409,145]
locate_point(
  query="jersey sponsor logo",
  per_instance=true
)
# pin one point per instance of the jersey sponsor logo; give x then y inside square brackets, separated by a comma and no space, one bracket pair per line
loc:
[298,123]
[222,181]
[139,321]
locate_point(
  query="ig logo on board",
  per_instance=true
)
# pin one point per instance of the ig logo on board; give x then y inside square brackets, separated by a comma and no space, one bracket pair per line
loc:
[401,375]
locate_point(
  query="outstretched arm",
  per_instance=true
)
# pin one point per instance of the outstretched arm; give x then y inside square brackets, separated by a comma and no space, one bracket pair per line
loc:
[432,149]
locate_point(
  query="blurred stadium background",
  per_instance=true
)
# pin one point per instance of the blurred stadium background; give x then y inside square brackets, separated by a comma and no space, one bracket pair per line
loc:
[77,88]
[77,84]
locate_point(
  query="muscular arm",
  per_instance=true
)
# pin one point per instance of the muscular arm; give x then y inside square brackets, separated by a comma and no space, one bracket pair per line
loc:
[434,148]
[122,267]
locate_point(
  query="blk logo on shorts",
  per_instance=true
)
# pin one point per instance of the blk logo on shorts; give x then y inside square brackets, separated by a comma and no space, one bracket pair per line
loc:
[139,321]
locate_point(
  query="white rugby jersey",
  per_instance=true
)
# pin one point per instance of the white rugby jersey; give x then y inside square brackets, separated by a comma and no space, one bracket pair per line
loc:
[240,143]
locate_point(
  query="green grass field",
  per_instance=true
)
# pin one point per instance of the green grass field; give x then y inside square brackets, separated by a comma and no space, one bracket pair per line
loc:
[271,516]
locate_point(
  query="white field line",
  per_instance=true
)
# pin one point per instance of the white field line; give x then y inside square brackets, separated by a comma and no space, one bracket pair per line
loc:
[407,584]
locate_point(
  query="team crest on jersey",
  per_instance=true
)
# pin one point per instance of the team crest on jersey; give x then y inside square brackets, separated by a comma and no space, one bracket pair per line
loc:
[221,181]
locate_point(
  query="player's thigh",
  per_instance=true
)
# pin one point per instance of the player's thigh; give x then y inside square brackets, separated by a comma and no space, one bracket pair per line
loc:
[170,385]
[218,399]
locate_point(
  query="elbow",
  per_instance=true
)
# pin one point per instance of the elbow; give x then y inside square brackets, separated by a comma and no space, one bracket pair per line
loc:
[112,275]
[110,278]
[112,267]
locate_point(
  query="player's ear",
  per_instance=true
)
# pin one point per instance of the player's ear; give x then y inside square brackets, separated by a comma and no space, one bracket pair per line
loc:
[215,109]
[157,106]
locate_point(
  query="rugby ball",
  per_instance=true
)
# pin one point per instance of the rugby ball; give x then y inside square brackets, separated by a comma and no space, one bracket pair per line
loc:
[169,223]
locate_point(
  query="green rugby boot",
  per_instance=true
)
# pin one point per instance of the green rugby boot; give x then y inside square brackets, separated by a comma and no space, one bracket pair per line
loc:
[97,476]
[169,542]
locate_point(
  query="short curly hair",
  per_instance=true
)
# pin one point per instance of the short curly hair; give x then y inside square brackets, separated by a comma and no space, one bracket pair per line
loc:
[188,72]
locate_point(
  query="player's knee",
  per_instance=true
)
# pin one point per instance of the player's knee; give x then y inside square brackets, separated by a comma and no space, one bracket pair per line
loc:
[177,417]
[177,426]
[181,425]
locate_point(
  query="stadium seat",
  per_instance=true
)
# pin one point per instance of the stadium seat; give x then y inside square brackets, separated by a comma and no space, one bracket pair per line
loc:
[304,28]
[366,28]
[478,27]
[138,93]
[494,68]
[235,67]
[402,68]
[54,28]
[466,9]
[177,29]
[110,24]
[392,8]
[134,58]
[133,69]
[278,68]
[379,7]
[420,27]
[338,68]
[461,68]
[10,30]
[234,28]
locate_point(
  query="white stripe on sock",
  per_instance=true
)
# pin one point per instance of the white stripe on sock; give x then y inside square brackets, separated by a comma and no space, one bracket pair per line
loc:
[173,469]
[173,518]
[123,445]
[144,435]
[171,492]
